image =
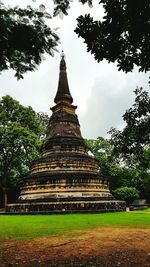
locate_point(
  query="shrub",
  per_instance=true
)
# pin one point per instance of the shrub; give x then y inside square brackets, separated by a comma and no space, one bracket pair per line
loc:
[129,194]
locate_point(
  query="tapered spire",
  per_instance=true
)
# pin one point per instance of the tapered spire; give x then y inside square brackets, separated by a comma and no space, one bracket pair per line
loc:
[63,92]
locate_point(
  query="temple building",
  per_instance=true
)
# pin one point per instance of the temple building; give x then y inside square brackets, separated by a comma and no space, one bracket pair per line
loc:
[65,178]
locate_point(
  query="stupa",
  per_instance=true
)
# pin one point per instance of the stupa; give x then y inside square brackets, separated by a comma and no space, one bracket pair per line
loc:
[65,178]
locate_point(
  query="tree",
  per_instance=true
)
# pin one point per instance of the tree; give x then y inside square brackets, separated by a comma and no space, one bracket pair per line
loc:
[125,159]
[101,148]
[126,193]
[44,120]
[118,172]
[133,141]
[20,131]
[132,145]
[147,186]
[64,6]
[24,38]
[119,37]
[122,36]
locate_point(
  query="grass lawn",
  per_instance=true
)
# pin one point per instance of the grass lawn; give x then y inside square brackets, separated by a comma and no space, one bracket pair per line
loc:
[25,227]
[146,210]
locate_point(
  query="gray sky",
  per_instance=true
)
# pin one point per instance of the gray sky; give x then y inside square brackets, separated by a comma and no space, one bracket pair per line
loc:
[100,91]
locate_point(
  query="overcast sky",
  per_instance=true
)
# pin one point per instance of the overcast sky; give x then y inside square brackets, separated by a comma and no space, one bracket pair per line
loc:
[100,91]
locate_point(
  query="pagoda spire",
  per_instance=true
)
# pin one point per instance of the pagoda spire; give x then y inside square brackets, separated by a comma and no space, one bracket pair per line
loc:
[63,92]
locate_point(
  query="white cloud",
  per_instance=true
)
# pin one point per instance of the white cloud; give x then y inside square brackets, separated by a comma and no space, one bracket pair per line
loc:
[111,95]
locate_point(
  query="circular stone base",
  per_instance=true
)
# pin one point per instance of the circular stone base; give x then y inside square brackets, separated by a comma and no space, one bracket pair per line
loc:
[66,207]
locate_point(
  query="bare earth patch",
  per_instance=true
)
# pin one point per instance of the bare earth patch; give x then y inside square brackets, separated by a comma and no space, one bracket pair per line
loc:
[103,247]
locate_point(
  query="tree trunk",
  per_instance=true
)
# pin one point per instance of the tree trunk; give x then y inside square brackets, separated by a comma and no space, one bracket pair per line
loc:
[4,197]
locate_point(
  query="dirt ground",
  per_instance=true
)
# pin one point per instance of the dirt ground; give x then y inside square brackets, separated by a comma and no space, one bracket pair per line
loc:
[104,247]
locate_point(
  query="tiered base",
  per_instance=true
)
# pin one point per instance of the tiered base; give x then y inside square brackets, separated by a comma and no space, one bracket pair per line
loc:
[66,207]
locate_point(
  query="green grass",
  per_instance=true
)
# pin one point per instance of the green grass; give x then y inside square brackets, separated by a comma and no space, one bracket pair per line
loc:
[145,210]
[25,227]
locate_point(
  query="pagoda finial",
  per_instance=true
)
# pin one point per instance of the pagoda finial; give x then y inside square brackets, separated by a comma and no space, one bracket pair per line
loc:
[62,62]
[63,92]
[62,54]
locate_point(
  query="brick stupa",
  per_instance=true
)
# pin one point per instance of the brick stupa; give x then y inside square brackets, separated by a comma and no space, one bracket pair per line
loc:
[65,178]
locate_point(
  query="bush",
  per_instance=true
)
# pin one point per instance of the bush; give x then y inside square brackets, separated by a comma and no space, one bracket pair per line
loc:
[129,194]
[147,187]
